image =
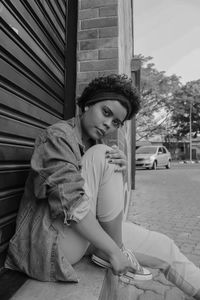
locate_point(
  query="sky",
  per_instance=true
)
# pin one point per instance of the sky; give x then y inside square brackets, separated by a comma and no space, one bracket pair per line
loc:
[169,31]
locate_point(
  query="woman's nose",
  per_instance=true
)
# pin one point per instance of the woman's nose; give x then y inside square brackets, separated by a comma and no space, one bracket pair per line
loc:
[108,122]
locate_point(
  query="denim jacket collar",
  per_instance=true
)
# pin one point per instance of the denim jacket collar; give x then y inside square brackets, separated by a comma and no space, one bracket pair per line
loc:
[75,123]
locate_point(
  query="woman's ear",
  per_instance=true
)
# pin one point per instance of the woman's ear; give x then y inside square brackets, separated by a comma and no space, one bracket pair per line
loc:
[86,108]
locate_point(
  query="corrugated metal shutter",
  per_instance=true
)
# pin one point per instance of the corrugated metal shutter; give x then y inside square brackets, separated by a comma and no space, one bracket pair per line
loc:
[32,91]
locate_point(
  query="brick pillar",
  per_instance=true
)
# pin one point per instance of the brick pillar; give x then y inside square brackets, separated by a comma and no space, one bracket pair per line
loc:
[97,40]
[105,46]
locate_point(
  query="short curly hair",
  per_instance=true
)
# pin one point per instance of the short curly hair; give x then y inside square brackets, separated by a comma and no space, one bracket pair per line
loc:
[116,83]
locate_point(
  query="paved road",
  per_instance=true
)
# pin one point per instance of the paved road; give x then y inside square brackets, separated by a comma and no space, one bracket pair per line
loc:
[169,201]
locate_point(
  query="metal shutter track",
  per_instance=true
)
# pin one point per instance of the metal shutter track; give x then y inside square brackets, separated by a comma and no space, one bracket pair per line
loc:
[32,79]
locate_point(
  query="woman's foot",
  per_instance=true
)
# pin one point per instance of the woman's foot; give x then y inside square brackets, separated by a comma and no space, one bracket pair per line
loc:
[139,274]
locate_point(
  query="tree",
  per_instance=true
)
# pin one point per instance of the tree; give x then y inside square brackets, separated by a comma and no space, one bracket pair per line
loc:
[166,97]
[156,91]
[186,104]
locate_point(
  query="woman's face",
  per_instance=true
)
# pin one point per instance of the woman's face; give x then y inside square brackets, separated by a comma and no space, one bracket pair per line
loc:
[102,118]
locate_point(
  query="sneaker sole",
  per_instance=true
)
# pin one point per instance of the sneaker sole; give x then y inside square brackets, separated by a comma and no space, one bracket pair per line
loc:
[101,262]
[131,276]
[128,277]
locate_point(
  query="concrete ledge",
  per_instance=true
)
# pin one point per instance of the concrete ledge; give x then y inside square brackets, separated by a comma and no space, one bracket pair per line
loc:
[89,286]
[98,284]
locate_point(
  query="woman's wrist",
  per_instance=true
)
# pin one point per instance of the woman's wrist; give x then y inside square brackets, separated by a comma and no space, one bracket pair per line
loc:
[90,229]
[114,253]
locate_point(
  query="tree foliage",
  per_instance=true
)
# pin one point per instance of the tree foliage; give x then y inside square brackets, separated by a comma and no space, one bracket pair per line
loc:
[186,105]
[157,91]
[166,104]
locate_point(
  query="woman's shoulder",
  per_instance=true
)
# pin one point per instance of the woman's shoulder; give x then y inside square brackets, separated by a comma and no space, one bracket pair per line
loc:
[63,128]
[62,131]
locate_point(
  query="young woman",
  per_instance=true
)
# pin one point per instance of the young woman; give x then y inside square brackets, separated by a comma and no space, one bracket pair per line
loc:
[73,199]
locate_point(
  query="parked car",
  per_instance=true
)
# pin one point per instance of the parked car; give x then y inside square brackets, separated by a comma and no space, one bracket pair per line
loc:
[151,157]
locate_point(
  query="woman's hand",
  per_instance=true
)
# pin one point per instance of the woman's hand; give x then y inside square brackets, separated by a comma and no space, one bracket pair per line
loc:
[90,229]
[121,264]
[117,157]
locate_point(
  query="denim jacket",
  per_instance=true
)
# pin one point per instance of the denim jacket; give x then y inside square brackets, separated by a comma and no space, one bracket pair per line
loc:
[54,189]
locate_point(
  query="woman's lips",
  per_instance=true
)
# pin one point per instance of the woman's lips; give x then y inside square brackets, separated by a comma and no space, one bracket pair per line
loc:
[100,131]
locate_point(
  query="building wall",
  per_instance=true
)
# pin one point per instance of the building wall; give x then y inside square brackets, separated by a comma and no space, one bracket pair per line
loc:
[105,46]
[97,40]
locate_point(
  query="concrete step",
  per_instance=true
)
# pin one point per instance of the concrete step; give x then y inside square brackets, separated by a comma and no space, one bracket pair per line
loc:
[88,288]
[96,283]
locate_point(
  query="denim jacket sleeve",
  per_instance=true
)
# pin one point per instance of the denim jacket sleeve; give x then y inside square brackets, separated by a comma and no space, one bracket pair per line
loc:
[56,165]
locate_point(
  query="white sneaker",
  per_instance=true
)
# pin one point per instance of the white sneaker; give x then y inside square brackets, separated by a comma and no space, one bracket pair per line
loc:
[140,273]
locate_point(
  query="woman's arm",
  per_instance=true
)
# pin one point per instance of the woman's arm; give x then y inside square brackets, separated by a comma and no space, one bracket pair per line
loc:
[56,163]
[91,230]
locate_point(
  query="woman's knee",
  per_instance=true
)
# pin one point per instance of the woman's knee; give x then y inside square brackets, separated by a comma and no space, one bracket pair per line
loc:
[169,241]
[95,157]
[102,182]
[165,241]
[97,152]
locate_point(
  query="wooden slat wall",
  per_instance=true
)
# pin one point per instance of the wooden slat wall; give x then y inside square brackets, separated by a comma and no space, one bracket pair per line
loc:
[32,92]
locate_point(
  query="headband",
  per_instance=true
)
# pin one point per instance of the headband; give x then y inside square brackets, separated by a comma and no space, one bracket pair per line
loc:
[105,96]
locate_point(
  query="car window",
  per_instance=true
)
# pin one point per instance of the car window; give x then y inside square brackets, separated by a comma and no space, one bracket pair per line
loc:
[146,150]
[164,150]
[160,150]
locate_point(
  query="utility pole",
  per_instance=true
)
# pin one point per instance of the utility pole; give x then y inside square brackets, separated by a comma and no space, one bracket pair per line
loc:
[190,131]
[135,74]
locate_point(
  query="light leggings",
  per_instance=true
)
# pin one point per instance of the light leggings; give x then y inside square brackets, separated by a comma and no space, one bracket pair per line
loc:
[104,188]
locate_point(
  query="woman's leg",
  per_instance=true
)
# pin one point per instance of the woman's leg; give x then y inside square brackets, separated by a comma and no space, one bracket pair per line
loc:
[156,250]
[104,188]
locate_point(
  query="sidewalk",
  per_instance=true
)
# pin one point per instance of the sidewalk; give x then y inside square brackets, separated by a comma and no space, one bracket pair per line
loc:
[161,202]
[168,201]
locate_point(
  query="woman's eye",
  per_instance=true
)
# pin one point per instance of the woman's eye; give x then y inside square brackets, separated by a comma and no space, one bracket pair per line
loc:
[116,123]
[106,112]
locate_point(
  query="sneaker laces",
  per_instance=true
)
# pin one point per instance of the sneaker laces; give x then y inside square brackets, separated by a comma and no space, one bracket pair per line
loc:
[131,256]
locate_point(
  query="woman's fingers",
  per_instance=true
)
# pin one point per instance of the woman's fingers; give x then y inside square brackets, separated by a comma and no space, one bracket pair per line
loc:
[119,161]
[115,151]
[117,157]
[120,164]
[121,264]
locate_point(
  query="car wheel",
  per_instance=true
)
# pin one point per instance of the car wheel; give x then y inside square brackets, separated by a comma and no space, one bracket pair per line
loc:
[168,166]
[154,166]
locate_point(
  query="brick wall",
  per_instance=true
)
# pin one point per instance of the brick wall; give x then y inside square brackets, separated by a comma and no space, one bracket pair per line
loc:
[105,46]
[97,40]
